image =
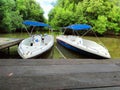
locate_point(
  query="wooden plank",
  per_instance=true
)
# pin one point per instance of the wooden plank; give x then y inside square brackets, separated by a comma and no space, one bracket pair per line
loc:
[39,62]
[8,42]
[32,74]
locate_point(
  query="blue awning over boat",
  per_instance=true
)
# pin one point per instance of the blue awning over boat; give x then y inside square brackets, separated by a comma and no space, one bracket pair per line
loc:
[79,27]
[35,23]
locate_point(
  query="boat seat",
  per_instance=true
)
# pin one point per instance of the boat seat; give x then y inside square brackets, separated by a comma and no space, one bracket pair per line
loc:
[79,41]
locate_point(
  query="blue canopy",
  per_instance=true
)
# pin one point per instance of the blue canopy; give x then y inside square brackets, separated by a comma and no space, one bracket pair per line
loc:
[35,23]
[79,27]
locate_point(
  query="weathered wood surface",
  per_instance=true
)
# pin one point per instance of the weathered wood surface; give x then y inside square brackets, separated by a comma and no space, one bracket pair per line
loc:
[8,42]
[44,74]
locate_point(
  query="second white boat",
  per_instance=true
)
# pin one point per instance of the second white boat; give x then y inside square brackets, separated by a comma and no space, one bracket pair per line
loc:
[82,46]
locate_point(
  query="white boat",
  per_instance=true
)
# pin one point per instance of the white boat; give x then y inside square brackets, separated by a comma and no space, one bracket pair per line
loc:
[35,45]
[83,46]
[29,48]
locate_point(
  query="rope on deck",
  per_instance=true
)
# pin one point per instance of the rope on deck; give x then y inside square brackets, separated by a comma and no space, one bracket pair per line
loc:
[60,53]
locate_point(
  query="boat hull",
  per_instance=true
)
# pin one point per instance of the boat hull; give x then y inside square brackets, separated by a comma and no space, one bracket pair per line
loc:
[40,55]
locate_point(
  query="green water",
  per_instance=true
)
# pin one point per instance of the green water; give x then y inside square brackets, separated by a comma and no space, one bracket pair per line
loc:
[59,52]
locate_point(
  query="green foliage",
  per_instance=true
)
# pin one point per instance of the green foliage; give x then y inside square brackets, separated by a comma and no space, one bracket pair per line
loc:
[103,15]
[29,9]
[13,12]
[60,17]
[114,19]
[8,16]
[100,24]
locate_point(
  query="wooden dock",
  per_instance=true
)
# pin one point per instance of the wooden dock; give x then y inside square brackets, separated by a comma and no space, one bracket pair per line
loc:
[8,42]
[49,74]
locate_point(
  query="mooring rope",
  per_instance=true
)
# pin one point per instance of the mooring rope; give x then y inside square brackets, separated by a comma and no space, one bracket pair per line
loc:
[60,53]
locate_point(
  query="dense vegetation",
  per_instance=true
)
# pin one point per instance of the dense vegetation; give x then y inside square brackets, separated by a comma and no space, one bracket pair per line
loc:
[13,12]
[102,15]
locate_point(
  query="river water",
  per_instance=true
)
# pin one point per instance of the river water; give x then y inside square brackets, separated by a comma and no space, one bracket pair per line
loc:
[59,52]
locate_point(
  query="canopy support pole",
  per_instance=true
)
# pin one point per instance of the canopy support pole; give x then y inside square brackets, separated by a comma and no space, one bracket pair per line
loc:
[85,33]
[32,30]
[27,31]
[61,53]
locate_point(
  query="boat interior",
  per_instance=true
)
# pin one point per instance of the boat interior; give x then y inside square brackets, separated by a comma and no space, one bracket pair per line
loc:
[36,40]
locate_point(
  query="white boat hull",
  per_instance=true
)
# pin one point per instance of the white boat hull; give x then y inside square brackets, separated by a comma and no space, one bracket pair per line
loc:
[83,46]
[38,47]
